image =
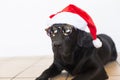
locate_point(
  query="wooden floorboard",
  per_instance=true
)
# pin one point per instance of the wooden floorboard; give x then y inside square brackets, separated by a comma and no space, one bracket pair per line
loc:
[28,68]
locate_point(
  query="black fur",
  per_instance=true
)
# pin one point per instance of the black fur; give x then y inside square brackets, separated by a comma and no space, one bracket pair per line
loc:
[76,54]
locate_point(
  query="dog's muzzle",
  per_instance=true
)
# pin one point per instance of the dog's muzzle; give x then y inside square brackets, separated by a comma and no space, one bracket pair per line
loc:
[57,44]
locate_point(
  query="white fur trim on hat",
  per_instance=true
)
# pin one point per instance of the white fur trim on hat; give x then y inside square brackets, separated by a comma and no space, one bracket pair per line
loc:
[68,18]
[97,43]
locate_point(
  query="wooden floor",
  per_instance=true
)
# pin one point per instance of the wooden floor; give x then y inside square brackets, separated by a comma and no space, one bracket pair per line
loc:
[28,68]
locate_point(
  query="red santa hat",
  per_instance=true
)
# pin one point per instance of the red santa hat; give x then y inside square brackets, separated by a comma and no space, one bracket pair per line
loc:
[78,18]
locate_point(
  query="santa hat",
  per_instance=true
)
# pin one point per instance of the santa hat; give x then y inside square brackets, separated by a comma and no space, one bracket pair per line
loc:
[78,18]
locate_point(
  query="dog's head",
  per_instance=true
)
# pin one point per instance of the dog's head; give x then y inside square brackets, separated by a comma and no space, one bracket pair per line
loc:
[65,37]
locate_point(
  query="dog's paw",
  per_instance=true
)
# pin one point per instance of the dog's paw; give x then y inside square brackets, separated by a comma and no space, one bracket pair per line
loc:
[39,78]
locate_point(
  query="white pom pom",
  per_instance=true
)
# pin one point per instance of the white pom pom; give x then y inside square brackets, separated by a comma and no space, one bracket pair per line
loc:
[97,43]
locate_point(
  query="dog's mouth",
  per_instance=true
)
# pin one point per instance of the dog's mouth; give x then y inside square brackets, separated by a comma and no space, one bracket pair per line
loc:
[66,56]
[57,44]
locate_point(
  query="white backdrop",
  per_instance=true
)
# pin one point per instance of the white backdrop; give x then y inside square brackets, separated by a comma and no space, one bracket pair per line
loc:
[22,23]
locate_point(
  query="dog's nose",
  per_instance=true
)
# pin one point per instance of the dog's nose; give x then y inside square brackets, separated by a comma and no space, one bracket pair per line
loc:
[57,44]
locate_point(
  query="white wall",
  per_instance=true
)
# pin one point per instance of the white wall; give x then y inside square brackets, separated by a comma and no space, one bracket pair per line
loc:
[22,23]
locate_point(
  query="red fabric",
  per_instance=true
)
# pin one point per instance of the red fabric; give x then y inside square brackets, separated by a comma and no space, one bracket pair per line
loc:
[74,9]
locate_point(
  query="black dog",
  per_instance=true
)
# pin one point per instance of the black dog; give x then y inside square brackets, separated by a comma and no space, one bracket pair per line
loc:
[75,53]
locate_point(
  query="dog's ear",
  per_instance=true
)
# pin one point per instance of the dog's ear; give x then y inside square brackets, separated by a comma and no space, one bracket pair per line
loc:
[84,39]
[48,31]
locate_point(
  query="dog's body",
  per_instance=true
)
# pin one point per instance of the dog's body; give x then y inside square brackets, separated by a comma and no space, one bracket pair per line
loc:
[76,54]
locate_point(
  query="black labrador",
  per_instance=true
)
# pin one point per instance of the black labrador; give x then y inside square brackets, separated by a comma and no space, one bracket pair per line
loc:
[75,53]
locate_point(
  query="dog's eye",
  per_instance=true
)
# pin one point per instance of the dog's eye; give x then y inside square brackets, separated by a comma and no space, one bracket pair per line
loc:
[51,31]
[67,30]
[55,31]
[52,34]
[48,31]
